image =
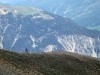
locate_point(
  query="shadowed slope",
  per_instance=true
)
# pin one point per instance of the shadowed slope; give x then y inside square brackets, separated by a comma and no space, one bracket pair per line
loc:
[47,64]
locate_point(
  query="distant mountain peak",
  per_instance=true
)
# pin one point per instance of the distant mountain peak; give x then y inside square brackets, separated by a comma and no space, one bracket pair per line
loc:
[24,10]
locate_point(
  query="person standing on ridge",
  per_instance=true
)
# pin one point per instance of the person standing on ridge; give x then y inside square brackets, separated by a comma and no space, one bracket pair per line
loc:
[26,50]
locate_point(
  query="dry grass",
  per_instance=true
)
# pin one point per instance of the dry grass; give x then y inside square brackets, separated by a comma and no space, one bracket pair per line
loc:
[47,64]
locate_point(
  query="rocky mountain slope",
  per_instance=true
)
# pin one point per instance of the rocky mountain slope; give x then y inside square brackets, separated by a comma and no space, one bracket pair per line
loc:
[40,31]
[60,63]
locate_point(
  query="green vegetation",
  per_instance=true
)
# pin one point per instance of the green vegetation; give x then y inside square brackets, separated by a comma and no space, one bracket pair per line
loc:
[60,63]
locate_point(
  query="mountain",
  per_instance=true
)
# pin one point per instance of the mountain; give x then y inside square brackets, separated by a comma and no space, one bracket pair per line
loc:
[84,12]
[40,31]
[60,63]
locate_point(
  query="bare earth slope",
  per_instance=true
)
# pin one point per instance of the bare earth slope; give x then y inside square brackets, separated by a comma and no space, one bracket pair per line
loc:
[47,64]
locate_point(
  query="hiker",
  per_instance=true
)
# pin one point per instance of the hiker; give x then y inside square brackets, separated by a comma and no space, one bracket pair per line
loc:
[26,50]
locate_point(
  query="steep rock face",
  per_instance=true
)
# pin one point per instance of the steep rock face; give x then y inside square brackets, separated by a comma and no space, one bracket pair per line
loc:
[41,31]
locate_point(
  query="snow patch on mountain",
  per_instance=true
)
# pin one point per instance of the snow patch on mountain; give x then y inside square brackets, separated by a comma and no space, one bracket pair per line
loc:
[68,43]
[15,11]
[49,48]
[15,40]
[79,44]
[3,11]
[1,42]
[5,28]
[33,40]
[20,28]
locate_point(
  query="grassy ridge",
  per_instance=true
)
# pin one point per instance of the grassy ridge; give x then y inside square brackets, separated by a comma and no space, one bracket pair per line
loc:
[47,64]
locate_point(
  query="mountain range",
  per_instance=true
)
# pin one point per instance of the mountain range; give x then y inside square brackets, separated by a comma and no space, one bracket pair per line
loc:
[84,12]
[40,31]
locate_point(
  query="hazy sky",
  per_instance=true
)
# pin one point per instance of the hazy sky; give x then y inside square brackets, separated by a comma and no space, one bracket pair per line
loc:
[5,1]
[10,1]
